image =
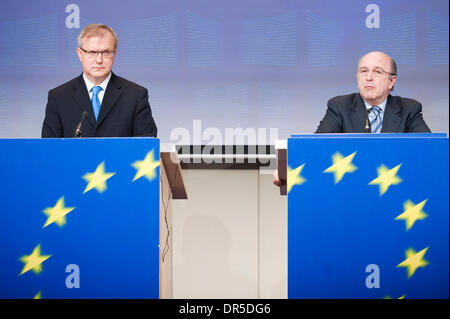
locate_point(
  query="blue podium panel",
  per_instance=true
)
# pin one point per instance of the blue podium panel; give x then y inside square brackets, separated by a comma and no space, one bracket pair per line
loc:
[79,218]
[368,217]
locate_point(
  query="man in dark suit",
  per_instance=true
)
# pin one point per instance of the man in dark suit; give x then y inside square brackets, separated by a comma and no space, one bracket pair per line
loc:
[98,103]
[373,109]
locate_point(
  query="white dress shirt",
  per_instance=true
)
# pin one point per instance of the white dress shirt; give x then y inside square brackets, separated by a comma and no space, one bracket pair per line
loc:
[103,85]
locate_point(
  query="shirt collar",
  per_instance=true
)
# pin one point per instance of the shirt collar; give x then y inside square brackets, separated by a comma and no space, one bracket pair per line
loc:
[90,85]
[382,105]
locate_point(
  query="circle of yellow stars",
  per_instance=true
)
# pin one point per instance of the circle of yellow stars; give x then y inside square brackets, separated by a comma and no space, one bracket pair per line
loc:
[57,214]
[385,179]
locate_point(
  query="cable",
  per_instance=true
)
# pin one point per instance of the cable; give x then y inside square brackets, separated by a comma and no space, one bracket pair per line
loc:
[167,245]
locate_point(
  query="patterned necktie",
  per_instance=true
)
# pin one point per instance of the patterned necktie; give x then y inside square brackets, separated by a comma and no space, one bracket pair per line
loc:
[375,119]
[95,100]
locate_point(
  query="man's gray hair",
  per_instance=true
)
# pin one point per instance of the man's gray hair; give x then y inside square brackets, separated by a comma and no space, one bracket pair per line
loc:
[393,71]
[92,30]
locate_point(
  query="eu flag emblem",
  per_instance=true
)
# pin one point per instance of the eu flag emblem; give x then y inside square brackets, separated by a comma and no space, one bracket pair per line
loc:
[80,218]
[368,216]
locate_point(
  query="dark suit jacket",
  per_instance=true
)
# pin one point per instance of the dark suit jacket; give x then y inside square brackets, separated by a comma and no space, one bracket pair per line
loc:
[125,110]
[348,113]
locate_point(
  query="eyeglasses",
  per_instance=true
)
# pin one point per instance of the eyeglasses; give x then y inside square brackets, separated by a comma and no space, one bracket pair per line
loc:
[93,54]
[377,72]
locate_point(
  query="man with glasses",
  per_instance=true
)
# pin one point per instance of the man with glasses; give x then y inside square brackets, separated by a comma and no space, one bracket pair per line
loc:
[373,109]
[98,103]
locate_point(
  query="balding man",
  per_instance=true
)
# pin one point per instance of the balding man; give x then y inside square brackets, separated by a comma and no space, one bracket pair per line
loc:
[373,109]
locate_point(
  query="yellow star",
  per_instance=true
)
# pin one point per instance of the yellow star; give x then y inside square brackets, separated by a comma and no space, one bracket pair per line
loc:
[38,295]
[33,261]
[146,167]
[341,165]
[389,297]
[57,213]
[294,177]
[97,179]
[386,177]
[414,260]
[412,213]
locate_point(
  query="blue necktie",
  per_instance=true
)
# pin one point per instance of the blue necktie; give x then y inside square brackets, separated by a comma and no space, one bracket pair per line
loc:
[95,100]
[375,119]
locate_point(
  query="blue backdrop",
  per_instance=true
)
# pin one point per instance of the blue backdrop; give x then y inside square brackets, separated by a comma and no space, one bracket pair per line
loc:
[252,63]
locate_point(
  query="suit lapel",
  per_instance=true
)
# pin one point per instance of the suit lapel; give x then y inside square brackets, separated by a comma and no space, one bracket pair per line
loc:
[112,94]
[359,115]
[81,97]
[391,118]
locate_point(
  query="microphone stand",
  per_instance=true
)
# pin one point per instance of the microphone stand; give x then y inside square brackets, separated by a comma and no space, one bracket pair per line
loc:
[367,127]
[78,129]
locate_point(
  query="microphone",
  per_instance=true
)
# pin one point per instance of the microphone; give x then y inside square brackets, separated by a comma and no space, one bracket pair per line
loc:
[78,129]
[367,121]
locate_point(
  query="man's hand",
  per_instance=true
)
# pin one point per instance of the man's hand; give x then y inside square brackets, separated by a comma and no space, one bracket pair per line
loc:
[276,179]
